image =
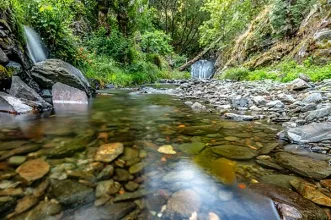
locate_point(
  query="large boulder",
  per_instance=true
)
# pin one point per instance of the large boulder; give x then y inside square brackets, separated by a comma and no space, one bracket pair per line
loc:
[20,89]
[62,93]
[314,132]
[51,71]
[11,104]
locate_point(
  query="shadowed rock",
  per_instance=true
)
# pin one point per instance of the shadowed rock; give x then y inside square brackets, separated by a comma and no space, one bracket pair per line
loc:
[20,89]
[51,71]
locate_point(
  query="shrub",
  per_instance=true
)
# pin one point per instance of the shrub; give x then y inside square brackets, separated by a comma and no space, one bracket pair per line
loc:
[286,16]
[156,42]
[114,45]
[235,74]
[155,59]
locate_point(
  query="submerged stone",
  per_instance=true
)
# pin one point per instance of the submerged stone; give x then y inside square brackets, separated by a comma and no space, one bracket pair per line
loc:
[7,203]
[71,193]
[66,150]
[183,203]
[200,130]
[136,168]
[304,166]
[114,211]
[192,148]
[17,160]
[130,195]
[109,152]
[44,210]
[310,191]
[290,205]
[278,180]
[26,203]
[20,150]
[166,149]
[234,152]
[33,169]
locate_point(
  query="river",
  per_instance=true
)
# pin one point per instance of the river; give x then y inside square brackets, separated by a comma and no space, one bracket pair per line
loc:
[134,156]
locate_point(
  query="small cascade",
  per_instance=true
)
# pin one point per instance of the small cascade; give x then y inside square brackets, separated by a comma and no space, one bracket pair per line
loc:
[34,45]
[202,69]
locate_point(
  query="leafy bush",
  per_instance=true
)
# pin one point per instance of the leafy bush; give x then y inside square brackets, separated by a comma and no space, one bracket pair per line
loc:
[285,71]
[155,59]
[175,74]
[286,16]
[114,45]
[156,42]
[235,74]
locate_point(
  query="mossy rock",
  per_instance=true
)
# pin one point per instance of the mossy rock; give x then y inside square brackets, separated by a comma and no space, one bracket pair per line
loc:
[5,24]
[4,73]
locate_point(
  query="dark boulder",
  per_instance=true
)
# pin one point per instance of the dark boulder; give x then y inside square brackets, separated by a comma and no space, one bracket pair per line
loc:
[20,89]
[51,71]
[3,58]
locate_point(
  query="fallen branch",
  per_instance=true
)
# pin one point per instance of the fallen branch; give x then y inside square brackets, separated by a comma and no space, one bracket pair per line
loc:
[198,57]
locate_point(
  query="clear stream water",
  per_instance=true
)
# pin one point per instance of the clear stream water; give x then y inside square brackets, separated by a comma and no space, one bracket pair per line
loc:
[209,183]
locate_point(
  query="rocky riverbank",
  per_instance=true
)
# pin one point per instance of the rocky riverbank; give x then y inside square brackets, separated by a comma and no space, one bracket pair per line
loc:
[302,107]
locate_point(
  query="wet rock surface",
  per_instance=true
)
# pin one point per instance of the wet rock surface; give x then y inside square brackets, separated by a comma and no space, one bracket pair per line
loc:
[20,89]
[234,152]
[33,169]
[51,71]
[71,193]
[304,166]
[290,204]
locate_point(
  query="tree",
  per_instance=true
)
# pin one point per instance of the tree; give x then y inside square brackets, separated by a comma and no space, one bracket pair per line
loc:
[181,20]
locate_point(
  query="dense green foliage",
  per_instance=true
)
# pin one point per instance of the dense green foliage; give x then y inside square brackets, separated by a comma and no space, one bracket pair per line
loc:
[284,72]
[130,42]
[286,16]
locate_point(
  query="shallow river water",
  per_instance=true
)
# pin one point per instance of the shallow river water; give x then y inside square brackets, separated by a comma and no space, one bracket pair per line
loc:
[176,163]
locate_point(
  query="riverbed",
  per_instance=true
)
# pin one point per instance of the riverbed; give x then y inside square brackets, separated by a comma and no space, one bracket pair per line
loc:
[129,155]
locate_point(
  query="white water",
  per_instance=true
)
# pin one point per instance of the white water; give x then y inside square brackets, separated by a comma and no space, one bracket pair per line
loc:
[202,69]
[34,45]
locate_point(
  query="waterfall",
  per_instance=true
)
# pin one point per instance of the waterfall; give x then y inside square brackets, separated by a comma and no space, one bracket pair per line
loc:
[202,69]
[34,45]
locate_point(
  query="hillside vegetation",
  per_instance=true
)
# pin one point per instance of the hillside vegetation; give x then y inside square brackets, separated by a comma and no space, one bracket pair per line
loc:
[132,42]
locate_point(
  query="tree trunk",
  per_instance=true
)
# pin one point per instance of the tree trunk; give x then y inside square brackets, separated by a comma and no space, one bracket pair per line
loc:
[198,57]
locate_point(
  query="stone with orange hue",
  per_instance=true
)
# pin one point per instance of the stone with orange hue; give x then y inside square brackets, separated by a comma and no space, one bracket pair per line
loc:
[108,152]
[33,169]
[326,183]
[310,191]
